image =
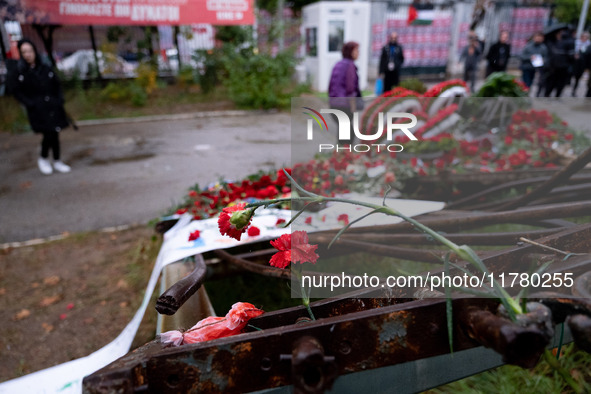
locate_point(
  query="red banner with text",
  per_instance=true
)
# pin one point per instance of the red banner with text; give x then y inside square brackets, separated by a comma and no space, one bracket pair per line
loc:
[129,12]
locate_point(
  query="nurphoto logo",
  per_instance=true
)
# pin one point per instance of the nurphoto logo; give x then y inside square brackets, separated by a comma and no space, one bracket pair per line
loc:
[344,130]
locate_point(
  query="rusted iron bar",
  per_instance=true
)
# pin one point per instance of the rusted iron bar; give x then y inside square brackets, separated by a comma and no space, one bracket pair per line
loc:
[173,298]
[475,219]
[464,203]
[557,179]
[576,192]
[252,267]
[521,343]
[489,239]
[424,255]
[312,371]
[260,269]
[562,305]
[580,326]
[492,177]
[256,360]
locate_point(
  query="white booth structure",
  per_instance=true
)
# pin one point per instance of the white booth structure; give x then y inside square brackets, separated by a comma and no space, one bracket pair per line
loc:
[326,26]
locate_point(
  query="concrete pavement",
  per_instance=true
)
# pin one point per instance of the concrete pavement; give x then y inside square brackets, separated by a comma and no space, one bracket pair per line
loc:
[131,171]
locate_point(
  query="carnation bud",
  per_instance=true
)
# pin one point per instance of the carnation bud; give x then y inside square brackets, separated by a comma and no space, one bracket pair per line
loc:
[241,219]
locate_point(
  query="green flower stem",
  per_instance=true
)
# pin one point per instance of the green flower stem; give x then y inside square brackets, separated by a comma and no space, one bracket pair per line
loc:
[297,271]
[551,360]
[464,252]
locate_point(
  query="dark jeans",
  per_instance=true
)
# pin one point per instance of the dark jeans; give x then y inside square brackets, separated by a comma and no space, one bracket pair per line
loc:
[51,142]
[528,76]
[556,81]
[391,80]
[470,77]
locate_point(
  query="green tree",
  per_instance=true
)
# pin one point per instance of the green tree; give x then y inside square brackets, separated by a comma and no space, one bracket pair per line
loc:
[569,11]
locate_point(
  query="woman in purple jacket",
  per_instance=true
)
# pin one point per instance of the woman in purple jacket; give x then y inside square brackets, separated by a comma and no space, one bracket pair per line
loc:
[343,90]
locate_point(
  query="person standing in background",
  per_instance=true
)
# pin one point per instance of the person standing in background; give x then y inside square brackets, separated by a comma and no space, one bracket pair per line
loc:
[343,90]
[533,59]
[499,54]
[581,48]
[37,87]
[390,62]
[471,56]
[560,52]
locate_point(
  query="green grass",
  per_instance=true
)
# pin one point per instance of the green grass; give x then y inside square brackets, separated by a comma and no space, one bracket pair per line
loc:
[541,379]
[364,93]
[83,104]
[13,117]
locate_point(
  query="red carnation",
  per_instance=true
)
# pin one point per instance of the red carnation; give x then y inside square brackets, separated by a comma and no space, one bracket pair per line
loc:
[343,218]
[234,220]
[194,235]
[253,231]
[293,248]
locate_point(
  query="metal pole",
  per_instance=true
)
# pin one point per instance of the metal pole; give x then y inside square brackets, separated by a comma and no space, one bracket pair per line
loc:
[281,23]
[582,18]
[94,51]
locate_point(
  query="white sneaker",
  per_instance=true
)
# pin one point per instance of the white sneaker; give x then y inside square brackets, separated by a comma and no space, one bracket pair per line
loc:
[62,167]
[44,166]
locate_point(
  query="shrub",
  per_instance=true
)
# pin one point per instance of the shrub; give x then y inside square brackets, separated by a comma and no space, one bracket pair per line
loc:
[146,77]
[414,84]
[501,84]
[187,76]
[127,92]
[257,80]
[211,65]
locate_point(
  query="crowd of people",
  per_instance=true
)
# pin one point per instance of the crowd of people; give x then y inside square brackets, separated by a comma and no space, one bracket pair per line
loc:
[549,61]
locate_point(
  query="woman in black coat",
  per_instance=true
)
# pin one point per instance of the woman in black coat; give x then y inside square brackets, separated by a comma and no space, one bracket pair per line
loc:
[37,87]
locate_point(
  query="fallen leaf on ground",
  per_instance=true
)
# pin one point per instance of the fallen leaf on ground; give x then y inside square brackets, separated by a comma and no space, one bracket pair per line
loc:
[46,301]
[3,291]
[103,303]
[34,285]
[26,185]
[123,304]
[47,327]
[51,280]
[122,284]
[23,314]
[89,320]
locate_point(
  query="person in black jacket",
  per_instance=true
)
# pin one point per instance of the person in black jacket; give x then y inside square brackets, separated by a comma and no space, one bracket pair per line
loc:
[498,54]
[471,57]
[561,52]
[588,67]
[390,62]
[37,87]
[581,47]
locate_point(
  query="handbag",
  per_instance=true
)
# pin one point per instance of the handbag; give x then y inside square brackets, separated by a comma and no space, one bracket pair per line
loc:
[379,88]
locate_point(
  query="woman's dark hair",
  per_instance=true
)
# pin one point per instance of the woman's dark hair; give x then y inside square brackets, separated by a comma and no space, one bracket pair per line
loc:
[27,41]
[348,49]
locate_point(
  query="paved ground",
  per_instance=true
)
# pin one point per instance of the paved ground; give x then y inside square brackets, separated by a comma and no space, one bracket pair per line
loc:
[130,172]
